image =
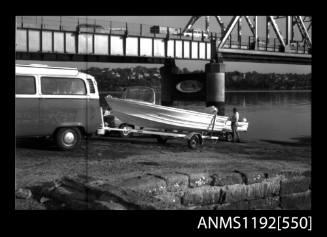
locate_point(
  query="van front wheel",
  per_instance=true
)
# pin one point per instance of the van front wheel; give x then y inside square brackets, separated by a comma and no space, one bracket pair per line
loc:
[68,138]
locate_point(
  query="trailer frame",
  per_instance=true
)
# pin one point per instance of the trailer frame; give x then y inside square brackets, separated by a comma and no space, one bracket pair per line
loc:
[193,138]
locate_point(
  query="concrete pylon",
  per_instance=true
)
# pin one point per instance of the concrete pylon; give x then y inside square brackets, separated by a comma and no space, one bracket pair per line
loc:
[215,86]
[167,81]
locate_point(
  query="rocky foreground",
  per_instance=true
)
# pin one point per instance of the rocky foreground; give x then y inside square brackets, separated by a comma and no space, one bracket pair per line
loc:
[134,174]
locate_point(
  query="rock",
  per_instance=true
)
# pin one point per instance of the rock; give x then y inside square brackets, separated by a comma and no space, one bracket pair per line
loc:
[269,203]
[306,173]
[226,179]
[241,192]
[98,190]
[205,207]
[130,198]
[95,183]
[192,197]
[68,195]
[79,182]
[28,204]
[199,179]
[292,173]
[235,193]
[256,190]
[296,184]
[44,199]
[104,205]
[224,206]
[212,195]
[169,197]
[147,184]
[205,195]
[267,188]
[175,182]
[296,201]
[241,205]
[255,177]
[273,186]
[23,193]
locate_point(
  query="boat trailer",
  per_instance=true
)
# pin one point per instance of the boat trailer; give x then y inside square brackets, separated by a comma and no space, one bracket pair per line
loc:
[194,139]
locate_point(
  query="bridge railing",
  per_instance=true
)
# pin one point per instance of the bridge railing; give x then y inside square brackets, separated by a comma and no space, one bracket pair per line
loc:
[69,23]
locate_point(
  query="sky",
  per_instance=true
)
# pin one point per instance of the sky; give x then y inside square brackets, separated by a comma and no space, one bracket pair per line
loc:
[177,22]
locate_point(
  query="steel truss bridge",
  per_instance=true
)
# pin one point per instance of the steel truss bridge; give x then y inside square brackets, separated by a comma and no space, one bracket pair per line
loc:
[107,41]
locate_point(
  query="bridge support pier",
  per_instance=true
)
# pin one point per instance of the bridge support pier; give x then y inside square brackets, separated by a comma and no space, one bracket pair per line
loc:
[215,86]
[167,81]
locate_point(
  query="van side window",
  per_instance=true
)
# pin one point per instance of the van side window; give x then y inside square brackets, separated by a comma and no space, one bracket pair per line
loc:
[92,89]
[62,86]
[25,85]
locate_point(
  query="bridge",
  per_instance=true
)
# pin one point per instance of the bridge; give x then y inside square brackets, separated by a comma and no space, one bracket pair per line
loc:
[107,41]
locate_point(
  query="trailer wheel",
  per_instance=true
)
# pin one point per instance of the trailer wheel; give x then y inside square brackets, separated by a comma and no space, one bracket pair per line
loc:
[162,140]
[193,142]
[125,133]
[68,138]
[229,137]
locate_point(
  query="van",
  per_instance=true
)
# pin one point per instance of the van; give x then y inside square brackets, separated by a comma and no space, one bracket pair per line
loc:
[57,102]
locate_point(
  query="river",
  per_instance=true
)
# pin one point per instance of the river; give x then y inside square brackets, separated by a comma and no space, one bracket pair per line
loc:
[272,115]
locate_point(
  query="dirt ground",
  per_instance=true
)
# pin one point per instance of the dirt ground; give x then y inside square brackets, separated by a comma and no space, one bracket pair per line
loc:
[115,159]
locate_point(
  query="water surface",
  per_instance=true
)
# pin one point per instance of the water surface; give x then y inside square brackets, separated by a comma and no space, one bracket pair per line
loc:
[273,115]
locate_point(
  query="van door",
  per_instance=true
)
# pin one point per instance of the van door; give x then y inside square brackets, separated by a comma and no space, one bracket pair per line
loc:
[93,107]
[63,103]
[26,106]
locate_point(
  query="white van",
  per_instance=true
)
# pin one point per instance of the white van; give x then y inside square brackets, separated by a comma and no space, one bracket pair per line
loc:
[57,102]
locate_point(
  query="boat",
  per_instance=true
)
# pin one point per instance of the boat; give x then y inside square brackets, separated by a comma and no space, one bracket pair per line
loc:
[133,110]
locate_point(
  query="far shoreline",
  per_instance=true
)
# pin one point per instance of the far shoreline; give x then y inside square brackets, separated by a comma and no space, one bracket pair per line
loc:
[268,90]
[234,91]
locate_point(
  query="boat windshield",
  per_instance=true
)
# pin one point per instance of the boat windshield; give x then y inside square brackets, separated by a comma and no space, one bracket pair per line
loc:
[145,94]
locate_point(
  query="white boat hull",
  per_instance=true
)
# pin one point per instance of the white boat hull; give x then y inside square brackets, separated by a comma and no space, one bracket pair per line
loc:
[151,116]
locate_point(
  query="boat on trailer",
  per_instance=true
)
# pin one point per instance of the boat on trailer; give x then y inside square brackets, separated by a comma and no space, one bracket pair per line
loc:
[133,109]
[164,121]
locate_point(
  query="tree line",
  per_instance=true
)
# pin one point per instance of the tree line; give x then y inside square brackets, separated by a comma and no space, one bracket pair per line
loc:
[118,78]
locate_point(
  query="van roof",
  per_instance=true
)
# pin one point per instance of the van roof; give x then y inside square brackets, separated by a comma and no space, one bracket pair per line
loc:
[45,70]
